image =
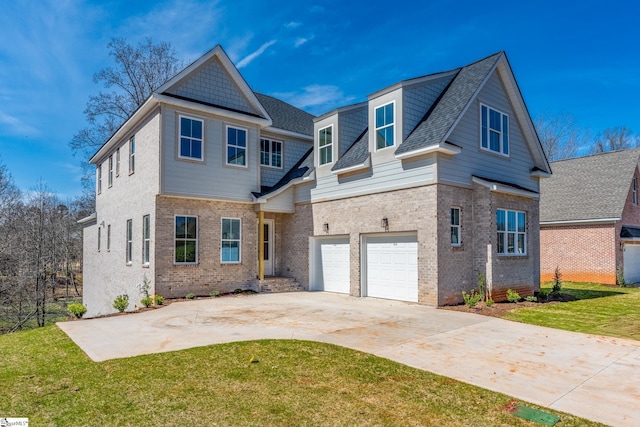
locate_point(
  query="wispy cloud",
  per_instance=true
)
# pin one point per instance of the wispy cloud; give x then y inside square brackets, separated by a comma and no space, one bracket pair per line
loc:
[300,41]
[16,126]
[247,60]
[316,98]
[293,24]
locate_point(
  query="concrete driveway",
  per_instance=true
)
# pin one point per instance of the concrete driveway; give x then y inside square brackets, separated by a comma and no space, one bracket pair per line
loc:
[590,376]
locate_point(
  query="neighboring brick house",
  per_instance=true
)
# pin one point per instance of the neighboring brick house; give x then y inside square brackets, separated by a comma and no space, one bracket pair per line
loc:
[409,195]
[590,218]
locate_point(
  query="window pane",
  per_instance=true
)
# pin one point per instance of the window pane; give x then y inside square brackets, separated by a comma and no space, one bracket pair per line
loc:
[180,227]
[192,228]
[521,222]
[500,220]
[494,141]
[379,117]
[185,128]
[196,129]
[511,243]
[454,235]
[230,252]
[190,251]
[196,149]
[455,216]
[185,147]
[511,221]
[521,244]
[505,134]
[231,136]
[494,120]
[500,243]
[242,138]
[146,252]
[485,143]
[180,250]
[388,113]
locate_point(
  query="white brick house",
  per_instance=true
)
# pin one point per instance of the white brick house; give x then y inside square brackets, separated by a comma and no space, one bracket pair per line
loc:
[408,195]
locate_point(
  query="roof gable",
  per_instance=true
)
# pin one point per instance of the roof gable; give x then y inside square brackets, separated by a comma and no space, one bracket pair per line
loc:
[214,80]
[588,188]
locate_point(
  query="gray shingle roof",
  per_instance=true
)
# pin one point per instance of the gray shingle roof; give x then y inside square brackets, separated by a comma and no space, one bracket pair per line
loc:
[286,116]
[357,154]
[588,188]
[298,170]
[438,121]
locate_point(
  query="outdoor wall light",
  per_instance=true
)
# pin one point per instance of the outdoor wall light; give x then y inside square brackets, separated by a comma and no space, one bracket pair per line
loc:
[325,227]
[385,223]
[102,224]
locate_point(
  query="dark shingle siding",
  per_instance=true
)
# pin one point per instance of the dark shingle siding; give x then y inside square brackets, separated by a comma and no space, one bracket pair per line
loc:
[357,154]
[297,171]
[286,116]
[588,188]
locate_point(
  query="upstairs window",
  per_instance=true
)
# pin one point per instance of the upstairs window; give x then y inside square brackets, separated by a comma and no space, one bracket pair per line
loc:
[99,179]
[512,232]
[236,146]
[455,227]
[132,155]
[634,190]
[186,240]
[384,126]
[325,144]
[270,153]
[146,239]
[230,240]
[108,237]
[190,138]
[110,170]
[117,162]
[129,248]
[495,130]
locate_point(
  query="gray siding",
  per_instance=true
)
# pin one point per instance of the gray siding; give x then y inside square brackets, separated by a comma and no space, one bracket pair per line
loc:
[210,178]
[417,100]
[383,177]
[292,152]
[514,169]
[213,84]
[350,125]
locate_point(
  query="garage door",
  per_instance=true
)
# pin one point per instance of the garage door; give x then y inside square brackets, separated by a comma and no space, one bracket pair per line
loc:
[392,267]
[632,263]
[332,263]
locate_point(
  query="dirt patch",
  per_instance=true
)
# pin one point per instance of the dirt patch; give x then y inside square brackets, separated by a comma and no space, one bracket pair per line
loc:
[500,309]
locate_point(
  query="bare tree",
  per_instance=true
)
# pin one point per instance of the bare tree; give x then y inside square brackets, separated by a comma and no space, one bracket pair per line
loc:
[613,139]
[560,135]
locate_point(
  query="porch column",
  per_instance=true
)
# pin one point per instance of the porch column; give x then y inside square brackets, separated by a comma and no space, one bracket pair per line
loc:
[261,245]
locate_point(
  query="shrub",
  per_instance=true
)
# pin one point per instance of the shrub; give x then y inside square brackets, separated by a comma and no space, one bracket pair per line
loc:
[158,299]
[147,301]
[557,282]
[76,309]
[190,295]
[531,298]
[490,302]
[512,296]
[471,299]
[214,294]
[543,294]
[237,291]
[482,286]
[620,280]
[121,302]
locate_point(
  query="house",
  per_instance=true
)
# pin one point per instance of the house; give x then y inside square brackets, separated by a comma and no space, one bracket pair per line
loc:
[409,195]
[590,218]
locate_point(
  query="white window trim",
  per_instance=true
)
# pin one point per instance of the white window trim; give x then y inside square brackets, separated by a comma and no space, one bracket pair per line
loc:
[516,234]
[329,146]
[488,149]
[99,237]
[99,179]
[239,240]
[459,226]
[393,123]
[226,147]
[197,239]
[132,155]
[270,153]
[110,180]
[129,242]
[118,162]
[634,191]
[108,237]
[146,239]
[195,159]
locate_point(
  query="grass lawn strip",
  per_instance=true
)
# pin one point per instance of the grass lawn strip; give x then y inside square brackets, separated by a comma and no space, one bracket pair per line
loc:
[48,379]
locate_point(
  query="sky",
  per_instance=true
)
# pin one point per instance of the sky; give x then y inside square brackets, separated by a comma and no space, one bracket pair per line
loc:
[569,57]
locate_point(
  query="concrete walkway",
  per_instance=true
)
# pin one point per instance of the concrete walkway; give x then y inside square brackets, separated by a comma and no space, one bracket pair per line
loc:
[590,376]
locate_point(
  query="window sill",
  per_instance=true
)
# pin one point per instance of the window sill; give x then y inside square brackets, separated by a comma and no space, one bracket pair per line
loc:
[129,264]
[145,265]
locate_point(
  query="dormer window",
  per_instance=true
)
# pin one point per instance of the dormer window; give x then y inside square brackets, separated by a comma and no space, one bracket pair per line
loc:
[384,126]
[495,130]
[325,144]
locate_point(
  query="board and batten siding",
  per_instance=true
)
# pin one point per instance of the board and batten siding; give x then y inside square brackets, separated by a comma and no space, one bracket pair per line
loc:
[514,169]
[388,176]
[210,178]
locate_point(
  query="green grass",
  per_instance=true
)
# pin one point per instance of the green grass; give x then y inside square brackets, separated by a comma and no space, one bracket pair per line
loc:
[599,309]
[48,379]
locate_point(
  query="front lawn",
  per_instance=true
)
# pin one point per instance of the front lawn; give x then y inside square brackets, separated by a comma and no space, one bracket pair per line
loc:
[48,379]
[599,309]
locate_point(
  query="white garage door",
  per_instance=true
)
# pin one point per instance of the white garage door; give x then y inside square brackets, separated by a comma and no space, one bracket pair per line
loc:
[332,265]
[392,267]
[632,263]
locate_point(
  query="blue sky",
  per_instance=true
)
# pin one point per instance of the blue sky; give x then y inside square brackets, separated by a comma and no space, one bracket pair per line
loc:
[577,57]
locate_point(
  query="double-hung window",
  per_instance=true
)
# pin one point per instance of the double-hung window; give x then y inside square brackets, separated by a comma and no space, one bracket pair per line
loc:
[512,232]
[186,240]
[191,138]
[118,162]
[129,241]
[384,126]
[132,155]
[495,130]
[108,237]
[455,227]
[270,153]
[146,238]
[231,237]
[634,190]
[99,179]
[325,145]
[236,146]
[110,170]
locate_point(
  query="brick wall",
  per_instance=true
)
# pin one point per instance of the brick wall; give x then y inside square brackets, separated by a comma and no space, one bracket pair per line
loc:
[210,273]
[292,244]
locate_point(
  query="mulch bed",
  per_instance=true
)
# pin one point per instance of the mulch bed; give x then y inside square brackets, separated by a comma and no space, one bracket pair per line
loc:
[499,309]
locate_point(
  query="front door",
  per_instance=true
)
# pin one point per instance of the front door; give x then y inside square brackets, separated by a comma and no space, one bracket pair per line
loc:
[268,247]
